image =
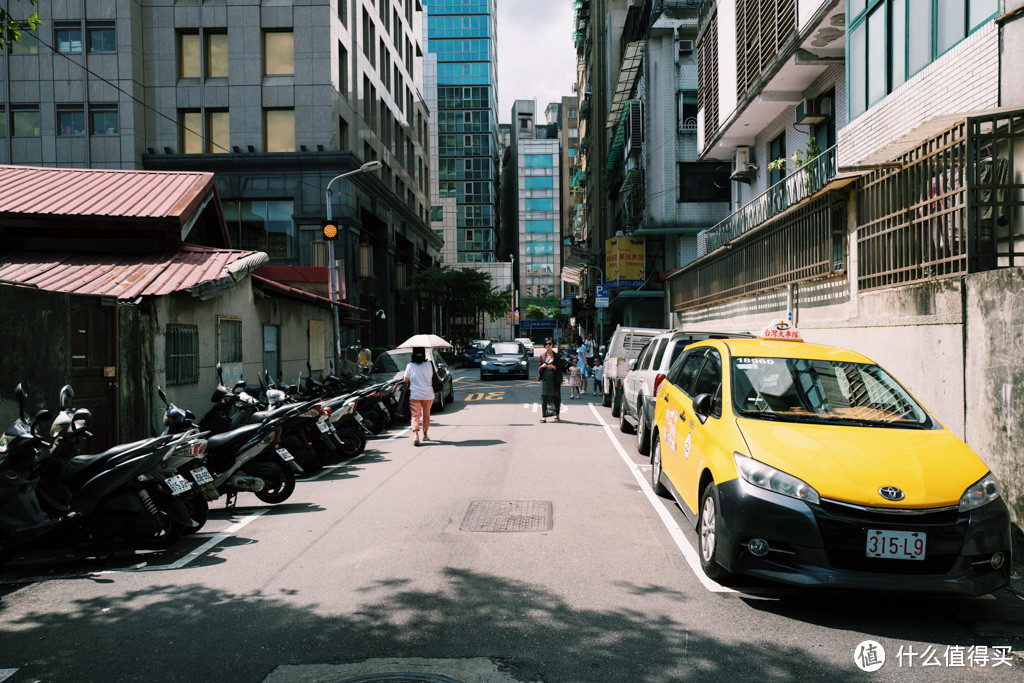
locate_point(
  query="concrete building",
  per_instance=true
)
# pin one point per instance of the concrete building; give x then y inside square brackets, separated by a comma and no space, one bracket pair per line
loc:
[276,100]
[904,239]
[531,207]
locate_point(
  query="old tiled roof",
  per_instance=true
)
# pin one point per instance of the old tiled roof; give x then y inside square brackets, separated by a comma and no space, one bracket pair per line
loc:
[125,276]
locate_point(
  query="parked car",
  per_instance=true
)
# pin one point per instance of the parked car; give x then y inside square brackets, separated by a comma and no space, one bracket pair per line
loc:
[624,345]
[527,344]
[812,465]
[640,384]
[474,350]
[504,359]
[391,364]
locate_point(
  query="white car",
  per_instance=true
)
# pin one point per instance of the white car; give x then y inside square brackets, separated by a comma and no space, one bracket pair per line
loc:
[528,343]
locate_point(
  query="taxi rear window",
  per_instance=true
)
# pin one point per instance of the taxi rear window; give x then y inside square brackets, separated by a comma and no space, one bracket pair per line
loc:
[823,391]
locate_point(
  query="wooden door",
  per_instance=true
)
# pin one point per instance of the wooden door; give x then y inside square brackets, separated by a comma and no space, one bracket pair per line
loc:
[94,371]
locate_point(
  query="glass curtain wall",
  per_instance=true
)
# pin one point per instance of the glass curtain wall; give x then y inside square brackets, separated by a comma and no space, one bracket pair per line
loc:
[461,33]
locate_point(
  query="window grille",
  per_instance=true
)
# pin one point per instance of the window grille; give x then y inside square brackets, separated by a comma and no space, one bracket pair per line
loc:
[230,340]
[182,354]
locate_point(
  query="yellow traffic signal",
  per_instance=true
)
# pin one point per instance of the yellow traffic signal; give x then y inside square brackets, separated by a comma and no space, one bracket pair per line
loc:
[330,231]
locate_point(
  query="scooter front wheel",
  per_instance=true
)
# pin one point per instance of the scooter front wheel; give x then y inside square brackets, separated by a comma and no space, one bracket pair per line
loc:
[278,486]
[353,443]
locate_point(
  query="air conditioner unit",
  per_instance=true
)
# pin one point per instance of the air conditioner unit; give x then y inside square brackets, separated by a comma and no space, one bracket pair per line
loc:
[685,48]
[742,170]
[814,110]
[702,243]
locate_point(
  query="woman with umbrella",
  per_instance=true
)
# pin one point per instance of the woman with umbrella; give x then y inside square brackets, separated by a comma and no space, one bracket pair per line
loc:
[550,381]
[419,378]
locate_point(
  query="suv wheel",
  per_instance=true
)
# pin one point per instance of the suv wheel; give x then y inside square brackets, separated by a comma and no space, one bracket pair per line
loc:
[625,426]
[643,434]
[616,402]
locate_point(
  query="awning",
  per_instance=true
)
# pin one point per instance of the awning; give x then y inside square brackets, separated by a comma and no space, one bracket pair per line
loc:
[632,296]
[631,60]
[348,310]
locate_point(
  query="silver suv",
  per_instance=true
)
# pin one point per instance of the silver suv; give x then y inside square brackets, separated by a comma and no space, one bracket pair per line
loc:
[645,374]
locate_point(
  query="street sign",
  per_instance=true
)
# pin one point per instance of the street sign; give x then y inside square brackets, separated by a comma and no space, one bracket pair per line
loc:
[600,296]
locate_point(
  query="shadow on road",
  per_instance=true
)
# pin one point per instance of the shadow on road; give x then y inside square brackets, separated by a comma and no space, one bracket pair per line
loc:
[534,635]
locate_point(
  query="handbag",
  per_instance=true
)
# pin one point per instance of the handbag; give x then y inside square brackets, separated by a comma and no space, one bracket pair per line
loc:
[435,381]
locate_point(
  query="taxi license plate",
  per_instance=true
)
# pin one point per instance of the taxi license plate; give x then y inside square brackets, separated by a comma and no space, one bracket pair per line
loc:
[322,427]
[898,545]
[202,475]
[178,484]
[285,455]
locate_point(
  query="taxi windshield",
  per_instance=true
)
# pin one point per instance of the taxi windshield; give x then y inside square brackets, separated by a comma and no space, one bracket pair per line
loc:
[823,391]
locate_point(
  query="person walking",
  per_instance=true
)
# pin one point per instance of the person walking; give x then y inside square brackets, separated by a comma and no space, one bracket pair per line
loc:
[589,348]
[550,381]
[575,379]
[418,374]
[581,360]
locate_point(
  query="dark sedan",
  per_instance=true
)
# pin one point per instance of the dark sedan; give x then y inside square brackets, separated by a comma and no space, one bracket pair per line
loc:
[474,352]
[505,359]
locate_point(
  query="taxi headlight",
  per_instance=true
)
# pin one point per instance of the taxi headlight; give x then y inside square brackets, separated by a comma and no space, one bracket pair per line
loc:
[765,477]
[981,493]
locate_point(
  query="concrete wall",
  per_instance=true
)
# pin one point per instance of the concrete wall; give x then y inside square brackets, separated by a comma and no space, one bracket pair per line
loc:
[36,351]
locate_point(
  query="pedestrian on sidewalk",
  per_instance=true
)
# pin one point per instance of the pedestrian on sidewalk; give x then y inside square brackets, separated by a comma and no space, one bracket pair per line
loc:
[418,375]
[581,360]
[550,373]
[575,379]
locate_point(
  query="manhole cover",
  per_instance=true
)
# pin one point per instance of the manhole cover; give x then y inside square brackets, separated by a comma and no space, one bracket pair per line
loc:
[400,678]
[508,515]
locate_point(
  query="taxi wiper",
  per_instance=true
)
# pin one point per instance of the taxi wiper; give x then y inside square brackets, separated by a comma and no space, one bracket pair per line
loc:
[878,423]
[780,417]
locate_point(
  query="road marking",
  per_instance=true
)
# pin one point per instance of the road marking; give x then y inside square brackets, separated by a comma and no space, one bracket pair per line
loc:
[674,530]
[7,673]
[201,550]
[393,438]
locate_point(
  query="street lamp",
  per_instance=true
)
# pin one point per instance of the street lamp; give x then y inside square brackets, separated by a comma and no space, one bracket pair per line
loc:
[600,311]
[332,279]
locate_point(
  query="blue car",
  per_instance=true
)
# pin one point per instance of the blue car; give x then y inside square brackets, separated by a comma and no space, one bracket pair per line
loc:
[474,352]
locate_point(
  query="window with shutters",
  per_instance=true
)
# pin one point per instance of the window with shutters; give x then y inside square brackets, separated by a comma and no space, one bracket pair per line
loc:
[762,27]
[707,79]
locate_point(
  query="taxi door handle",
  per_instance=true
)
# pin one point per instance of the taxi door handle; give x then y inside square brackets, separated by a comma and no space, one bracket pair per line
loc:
[665,398]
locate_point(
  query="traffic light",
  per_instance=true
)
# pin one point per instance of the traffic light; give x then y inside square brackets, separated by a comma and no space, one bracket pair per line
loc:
[330,231]
[577,307]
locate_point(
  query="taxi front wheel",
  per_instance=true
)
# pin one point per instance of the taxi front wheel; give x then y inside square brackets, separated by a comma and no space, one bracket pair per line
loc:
[707,532]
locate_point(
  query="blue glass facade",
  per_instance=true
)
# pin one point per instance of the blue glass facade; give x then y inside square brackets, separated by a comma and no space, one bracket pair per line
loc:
[461,34]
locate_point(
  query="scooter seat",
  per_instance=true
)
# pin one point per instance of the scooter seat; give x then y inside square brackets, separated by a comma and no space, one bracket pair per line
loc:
[80,463]
[264,415]
[231,439]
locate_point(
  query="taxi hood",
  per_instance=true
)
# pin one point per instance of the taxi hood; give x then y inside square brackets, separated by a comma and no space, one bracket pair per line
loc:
[931,466]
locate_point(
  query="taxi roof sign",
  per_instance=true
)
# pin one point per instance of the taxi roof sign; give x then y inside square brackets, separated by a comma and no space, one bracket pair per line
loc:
[780,329]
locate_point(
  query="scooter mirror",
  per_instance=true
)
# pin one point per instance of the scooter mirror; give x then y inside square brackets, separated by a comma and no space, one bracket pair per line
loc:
[20,393]
[162,394]
[220,373]
[239,386]
[41,416]
[66,393]
[83,414]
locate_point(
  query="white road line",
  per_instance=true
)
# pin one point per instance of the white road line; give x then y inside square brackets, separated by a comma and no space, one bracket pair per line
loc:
[201,550]
[393,438]
[677,534]
[7,673]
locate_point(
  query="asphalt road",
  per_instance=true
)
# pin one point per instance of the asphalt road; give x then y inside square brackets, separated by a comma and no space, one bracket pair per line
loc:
[502,550]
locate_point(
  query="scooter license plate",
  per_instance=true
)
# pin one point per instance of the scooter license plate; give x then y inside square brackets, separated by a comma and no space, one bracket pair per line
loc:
[322,427]
[285,455]
[202,475]
[381,405]
[178,484]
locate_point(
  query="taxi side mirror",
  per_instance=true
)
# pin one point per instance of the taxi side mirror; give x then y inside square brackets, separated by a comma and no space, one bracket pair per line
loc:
[702,406]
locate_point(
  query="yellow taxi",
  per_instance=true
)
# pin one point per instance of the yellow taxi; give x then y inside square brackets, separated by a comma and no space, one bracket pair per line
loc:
[811,465]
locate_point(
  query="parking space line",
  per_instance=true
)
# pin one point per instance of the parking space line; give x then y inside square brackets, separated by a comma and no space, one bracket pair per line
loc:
[674,530]
[7,673]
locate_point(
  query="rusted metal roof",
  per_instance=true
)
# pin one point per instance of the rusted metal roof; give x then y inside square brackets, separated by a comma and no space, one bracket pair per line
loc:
[162,195]
[125,276]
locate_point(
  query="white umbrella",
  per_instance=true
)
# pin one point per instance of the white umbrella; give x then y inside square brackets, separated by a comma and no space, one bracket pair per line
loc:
[425,340]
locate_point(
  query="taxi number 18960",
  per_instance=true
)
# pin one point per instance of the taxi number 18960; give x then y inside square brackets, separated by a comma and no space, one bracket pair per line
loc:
[898,545]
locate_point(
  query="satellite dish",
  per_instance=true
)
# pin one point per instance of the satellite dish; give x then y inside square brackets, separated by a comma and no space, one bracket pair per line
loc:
[365,359]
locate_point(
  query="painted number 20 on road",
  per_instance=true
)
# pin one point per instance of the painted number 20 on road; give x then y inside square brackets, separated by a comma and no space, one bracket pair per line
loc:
[489,396]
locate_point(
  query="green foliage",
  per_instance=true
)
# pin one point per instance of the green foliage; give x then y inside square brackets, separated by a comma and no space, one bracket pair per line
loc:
[11,28]
[461,292]
[534,312]
[800,156]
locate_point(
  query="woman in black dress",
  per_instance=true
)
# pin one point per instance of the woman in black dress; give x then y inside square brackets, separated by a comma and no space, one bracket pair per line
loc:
[550,381]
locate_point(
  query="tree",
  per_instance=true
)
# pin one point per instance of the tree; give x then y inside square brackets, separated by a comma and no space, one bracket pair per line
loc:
[535,312]
[11,28]
[461,292]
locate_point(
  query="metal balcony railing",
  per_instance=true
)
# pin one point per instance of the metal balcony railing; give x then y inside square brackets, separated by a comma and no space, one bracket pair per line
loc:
[800,185]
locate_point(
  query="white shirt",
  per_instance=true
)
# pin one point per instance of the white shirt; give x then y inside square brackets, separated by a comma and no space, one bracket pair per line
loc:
[420,387]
